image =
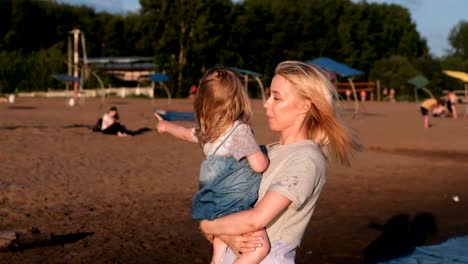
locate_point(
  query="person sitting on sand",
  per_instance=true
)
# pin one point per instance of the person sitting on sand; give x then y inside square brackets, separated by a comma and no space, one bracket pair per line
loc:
[110,123]
[426,108]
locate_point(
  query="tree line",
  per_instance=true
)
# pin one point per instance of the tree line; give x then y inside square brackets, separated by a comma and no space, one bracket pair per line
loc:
[186,37]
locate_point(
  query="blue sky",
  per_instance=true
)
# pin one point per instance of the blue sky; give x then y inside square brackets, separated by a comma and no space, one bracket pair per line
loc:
[434,18]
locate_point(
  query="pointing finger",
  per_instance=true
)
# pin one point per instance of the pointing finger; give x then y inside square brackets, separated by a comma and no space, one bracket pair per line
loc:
[158,117]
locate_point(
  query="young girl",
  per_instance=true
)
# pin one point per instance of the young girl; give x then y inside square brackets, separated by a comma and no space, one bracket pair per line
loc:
[229,177]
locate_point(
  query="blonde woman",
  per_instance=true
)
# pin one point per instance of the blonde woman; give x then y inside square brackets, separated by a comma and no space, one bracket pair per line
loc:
[230,176]
[301,108]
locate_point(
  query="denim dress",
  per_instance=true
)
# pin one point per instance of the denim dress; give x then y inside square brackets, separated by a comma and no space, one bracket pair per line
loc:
[226,186]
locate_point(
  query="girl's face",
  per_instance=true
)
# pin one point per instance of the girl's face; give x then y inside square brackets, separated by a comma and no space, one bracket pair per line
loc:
[284,108]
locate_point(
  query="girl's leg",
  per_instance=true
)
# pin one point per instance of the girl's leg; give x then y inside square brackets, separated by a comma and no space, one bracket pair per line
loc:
[259,254]
[218,250]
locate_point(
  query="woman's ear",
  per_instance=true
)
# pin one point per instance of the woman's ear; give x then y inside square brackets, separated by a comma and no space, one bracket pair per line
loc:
[305,106]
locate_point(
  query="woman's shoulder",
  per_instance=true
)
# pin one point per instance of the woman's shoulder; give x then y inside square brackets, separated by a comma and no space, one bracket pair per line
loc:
[304,148]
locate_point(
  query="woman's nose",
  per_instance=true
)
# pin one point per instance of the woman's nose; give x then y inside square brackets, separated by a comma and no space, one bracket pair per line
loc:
[266,104]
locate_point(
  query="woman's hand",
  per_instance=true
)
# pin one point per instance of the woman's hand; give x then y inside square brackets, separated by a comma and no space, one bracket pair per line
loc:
[242,243]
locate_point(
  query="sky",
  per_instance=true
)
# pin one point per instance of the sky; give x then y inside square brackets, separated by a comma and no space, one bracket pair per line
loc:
[433,18]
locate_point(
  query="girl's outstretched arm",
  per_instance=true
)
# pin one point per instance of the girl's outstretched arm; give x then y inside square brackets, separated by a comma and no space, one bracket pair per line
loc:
[175,130]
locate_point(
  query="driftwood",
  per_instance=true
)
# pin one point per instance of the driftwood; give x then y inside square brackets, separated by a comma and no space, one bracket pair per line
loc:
[30,238]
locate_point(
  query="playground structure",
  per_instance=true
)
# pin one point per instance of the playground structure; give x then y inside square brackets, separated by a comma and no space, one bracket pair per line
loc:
[74,37]
[341,70]
[255,75]
[136,69]
[360,87]
[166,114]
[160,78]
[128,69]
[420,83]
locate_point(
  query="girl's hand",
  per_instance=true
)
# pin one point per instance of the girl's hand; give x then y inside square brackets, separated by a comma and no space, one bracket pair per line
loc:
[242,243]
[162,124]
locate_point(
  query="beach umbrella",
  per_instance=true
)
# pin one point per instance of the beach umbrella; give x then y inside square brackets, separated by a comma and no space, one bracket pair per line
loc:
[462,76]
[420,82]
[340,69]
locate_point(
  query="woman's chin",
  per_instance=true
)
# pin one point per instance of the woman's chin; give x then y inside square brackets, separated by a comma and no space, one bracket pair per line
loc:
[273,127]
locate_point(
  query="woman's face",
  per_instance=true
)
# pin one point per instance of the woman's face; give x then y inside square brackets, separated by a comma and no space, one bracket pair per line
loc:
[283,107]
[112,113]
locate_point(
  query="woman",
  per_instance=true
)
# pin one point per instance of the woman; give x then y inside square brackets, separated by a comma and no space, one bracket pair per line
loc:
[111,124]
[301,108]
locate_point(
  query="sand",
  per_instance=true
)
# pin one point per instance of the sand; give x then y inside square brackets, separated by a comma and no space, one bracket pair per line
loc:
[133,194]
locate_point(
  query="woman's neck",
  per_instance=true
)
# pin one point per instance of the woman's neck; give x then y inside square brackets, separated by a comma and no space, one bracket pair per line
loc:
[292,135]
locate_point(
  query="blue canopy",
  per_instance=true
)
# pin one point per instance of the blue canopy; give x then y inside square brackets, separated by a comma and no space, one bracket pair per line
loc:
[158,77]
[336,67]
[66,78]
[255,74]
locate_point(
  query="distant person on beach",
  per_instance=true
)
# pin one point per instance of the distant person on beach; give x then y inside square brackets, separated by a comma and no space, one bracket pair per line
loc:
[439,110]
[363,95]
[392,95]
[348,94]
[451,100]
[301,108]
[385,93]
[193,91]
[110,123]
[230,176]
[426,109]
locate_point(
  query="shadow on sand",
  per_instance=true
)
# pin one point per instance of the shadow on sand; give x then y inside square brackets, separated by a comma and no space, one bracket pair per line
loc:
[34,239]
[400,236]
[90,127]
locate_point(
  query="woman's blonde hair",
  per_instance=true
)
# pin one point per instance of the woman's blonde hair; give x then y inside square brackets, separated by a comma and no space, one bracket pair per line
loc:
[323,123]
[221,99]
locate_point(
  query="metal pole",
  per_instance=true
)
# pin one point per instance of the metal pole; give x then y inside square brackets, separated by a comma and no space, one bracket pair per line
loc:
[356,103]
[466,100]
[76,34]
[69,58]
[378,90]
[262,90]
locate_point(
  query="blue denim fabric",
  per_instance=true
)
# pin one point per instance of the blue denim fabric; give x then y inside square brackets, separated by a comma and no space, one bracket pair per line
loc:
[226,186]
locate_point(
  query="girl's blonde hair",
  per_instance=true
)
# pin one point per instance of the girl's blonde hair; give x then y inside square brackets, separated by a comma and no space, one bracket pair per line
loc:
[221,99]
[323,124]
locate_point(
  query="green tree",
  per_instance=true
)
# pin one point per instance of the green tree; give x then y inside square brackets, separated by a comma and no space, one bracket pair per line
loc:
[458,38]
[183,31]
[394,72]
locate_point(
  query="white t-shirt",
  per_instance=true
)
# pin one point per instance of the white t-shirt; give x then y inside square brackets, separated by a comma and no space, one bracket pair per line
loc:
[297,171]
[107,121]
[241,143]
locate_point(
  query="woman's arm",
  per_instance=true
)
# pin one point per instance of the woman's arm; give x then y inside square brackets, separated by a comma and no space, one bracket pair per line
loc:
[175,130]
[258,161]
[272,204]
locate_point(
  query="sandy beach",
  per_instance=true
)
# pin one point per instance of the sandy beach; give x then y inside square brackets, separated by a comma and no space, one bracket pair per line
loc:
[133,194]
